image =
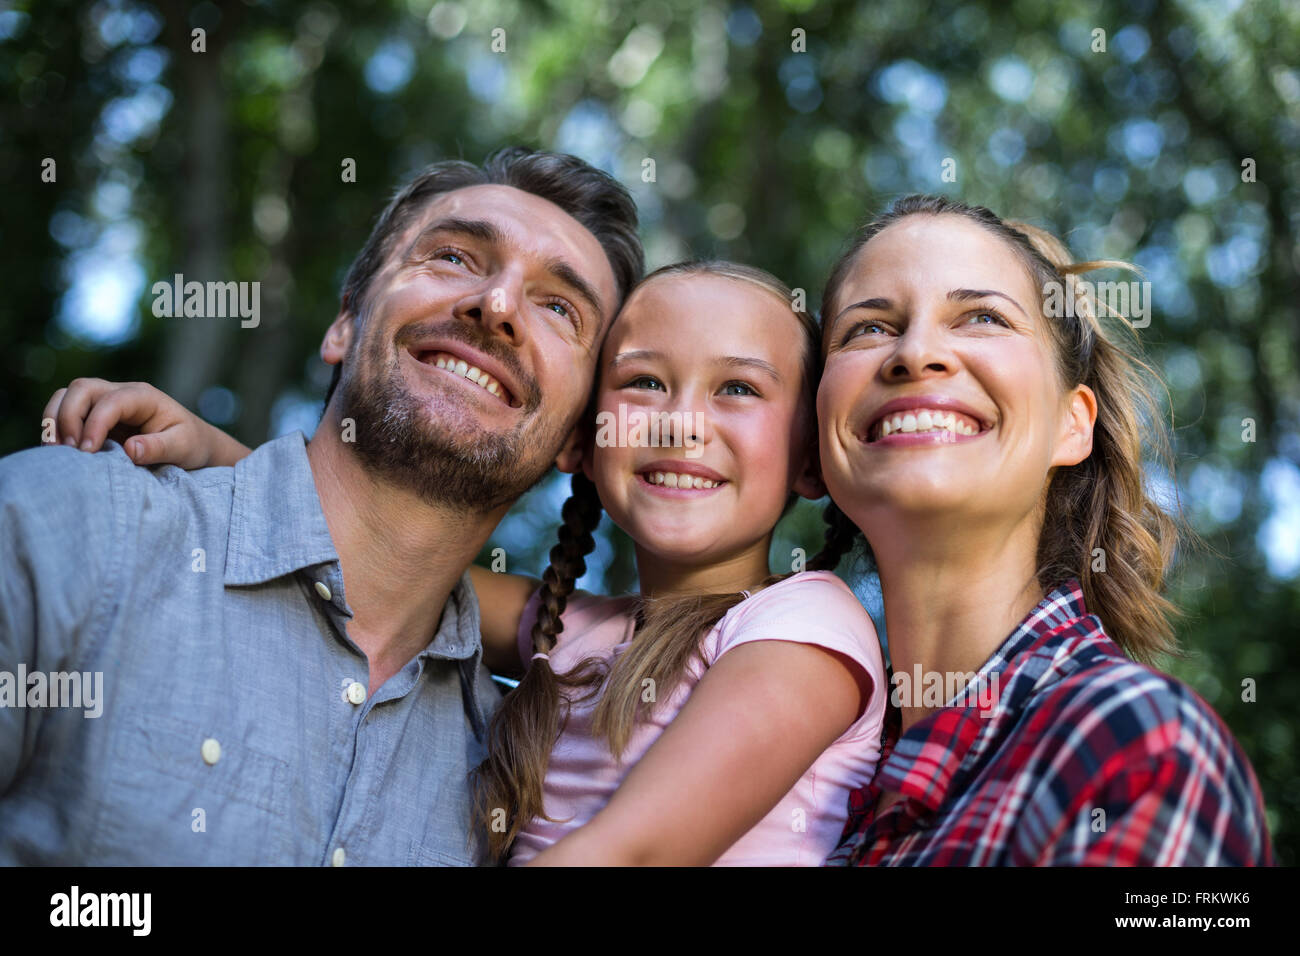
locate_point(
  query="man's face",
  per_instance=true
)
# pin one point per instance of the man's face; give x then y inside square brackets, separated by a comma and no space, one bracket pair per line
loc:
[488,278]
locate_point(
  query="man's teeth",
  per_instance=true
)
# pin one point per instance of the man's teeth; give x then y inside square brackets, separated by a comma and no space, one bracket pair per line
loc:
[926,420]
[465,370]
[672,479]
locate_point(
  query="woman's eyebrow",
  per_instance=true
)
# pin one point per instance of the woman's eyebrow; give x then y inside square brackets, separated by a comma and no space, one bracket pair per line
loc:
[965,295]
[877,303]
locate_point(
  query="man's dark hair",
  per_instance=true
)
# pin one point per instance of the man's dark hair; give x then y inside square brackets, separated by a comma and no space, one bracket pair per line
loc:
[594,198]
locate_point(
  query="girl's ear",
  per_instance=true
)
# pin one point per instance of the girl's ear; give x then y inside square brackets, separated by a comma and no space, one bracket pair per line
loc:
[809,484]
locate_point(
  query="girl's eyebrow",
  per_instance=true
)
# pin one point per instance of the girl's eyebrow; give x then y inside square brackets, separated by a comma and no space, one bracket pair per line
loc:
[728,361]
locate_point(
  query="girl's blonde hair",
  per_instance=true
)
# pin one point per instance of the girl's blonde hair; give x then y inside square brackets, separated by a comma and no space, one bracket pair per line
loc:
[669,632]
[1101,524]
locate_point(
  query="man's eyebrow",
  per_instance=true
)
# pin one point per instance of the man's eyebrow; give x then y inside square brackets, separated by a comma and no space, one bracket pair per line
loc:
[488,232]
[479,229]
[965,295]
[569,276]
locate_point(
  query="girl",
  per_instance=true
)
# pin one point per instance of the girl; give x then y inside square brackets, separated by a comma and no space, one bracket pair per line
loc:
[990,446]
[724,714]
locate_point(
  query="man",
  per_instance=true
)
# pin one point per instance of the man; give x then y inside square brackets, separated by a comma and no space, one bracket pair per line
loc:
[289,649]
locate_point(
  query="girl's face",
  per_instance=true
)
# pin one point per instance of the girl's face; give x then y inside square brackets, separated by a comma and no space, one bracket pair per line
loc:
[940,393]
[718,364]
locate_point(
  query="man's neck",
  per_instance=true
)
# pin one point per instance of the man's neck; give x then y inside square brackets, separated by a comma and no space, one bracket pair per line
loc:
[400,556]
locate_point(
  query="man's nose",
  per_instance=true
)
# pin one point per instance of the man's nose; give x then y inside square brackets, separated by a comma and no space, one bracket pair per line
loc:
[494,304]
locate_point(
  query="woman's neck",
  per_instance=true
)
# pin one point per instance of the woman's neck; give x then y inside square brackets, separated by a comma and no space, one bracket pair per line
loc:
[952,597]
[739,571]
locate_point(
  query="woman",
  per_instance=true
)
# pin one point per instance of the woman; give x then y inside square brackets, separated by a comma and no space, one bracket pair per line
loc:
[991,454]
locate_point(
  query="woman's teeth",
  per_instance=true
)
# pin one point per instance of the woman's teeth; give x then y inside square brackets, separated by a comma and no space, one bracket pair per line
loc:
[465,370]
[925,420]
[672,479]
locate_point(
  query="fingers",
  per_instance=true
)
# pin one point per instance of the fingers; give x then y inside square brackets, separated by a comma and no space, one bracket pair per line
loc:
[50,413]
[74,406]
[160,448]
[133,404]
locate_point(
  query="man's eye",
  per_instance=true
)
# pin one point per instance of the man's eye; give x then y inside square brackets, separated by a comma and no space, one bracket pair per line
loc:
[741,389]
[450,255]
[559,308]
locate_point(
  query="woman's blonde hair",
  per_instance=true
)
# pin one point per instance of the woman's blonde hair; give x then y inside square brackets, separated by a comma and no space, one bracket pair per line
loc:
[668,636]
[1101,524]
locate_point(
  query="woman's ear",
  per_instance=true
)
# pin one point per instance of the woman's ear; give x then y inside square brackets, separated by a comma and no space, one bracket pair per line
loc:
[809,483]
[1075,442]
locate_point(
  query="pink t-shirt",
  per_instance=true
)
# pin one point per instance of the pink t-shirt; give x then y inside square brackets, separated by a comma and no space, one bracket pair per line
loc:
[812,607]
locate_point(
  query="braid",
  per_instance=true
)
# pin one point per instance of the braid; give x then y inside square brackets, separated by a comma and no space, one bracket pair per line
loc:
[508,784]
[841,534]
[579,517]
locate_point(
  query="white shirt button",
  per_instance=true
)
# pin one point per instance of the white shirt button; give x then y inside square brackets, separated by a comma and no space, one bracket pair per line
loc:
[211,751]
[323,590]
[356,692]
[339,857]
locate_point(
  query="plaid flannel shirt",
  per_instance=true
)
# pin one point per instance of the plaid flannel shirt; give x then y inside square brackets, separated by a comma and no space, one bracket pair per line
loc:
[1084,758]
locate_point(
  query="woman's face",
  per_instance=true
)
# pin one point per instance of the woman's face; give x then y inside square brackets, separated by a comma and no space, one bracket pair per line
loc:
[941,394]
[726,357]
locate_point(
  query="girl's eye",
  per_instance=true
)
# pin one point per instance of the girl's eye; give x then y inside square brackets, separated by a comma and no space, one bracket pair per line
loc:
[646,381]
[743,389]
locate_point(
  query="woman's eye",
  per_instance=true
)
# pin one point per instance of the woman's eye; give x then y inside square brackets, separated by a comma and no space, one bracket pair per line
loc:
[993,318]
[874,328]
[741,389]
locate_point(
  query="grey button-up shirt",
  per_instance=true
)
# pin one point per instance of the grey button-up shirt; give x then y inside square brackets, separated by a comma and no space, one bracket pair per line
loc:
[209,608]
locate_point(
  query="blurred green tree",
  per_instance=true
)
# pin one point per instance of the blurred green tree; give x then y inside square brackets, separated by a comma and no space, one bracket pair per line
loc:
[1166,134]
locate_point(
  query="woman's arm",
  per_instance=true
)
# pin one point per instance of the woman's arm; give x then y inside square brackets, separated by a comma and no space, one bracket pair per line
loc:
[501,600]
[755,723]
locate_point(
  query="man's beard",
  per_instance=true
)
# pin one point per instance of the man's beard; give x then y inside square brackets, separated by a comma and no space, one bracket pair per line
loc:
[407,446]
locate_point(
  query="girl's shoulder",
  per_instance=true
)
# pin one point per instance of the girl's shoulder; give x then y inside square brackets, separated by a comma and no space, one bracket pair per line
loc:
[811,607]
[813,593]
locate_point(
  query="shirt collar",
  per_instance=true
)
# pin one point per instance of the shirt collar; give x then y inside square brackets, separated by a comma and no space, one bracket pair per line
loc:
[276,522]
[1058,636]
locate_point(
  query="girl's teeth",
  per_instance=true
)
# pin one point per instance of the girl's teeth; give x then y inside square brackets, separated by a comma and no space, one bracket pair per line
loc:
[671,479]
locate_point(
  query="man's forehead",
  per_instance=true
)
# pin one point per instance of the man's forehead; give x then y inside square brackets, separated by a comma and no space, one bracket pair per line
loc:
[524,219]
